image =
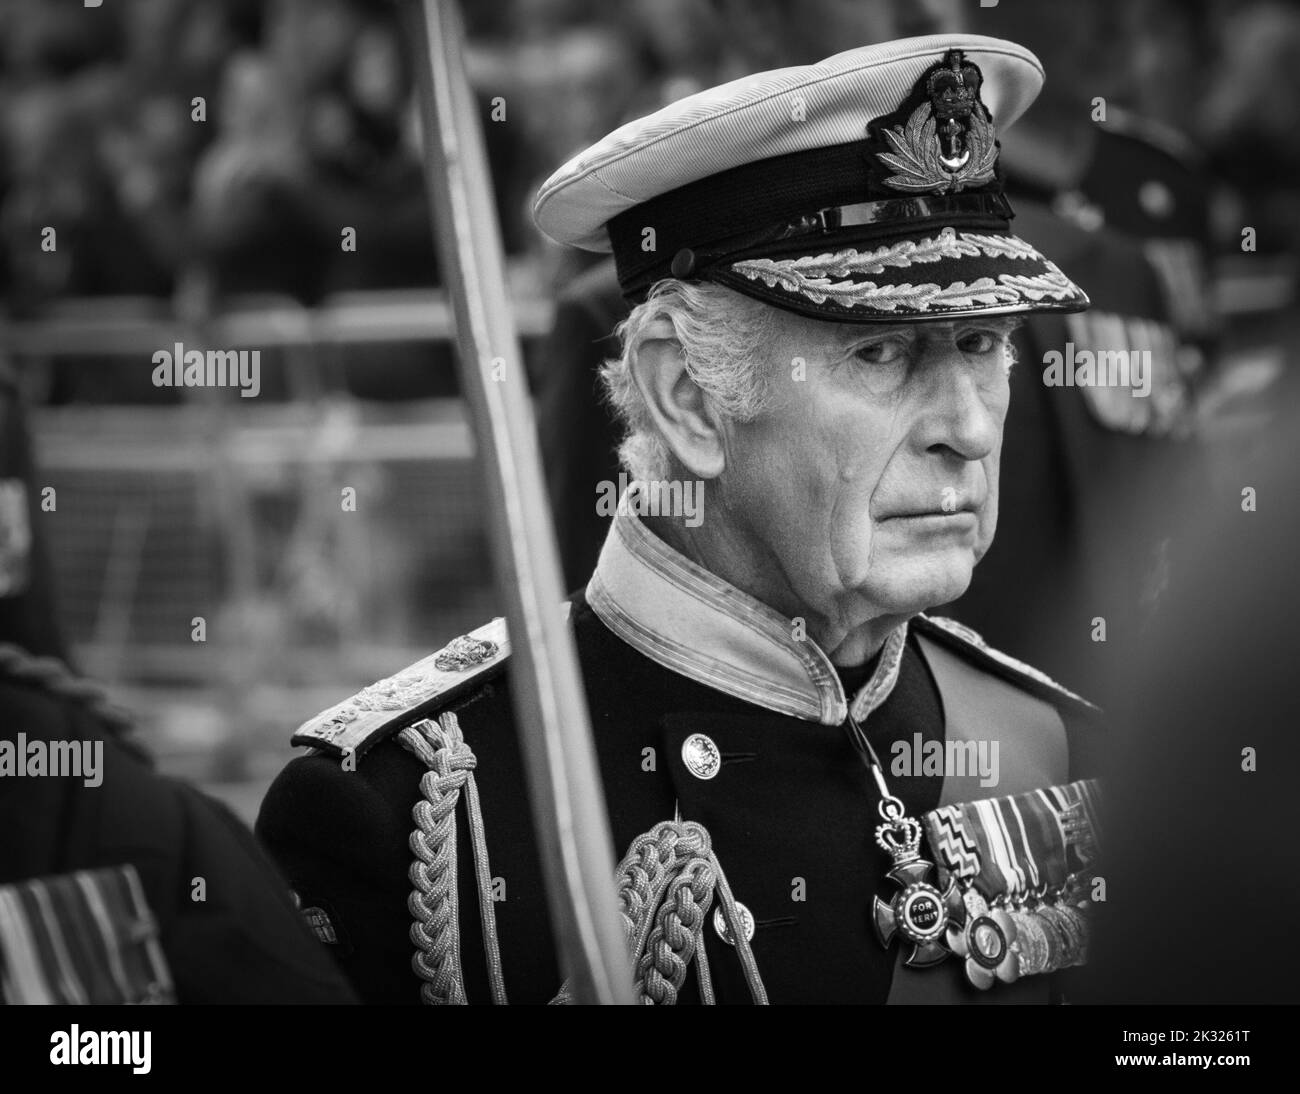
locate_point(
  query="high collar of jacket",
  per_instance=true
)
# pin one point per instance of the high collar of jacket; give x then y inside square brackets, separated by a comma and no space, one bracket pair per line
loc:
[689,620]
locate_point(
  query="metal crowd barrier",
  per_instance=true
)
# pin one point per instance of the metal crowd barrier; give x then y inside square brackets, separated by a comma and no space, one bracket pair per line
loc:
[230,509]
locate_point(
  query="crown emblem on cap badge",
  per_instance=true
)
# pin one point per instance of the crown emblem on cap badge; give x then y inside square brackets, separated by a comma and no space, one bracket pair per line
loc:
[948,143]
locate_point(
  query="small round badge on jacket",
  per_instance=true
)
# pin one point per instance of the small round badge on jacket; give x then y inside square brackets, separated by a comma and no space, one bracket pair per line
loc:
[701,756]
[724,931]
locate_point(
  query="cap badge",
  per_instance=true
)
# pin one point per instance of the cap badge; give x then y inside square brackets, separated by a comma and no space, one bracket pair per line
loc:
[948,142]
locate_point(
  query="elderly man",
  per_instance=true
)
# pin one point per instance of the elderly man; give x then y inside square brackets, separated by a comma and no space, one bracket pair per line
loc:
[873,805]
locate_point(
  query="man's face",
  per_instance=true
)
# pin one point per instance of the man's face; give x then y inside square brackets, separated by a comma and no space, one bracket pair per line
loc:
[871,482]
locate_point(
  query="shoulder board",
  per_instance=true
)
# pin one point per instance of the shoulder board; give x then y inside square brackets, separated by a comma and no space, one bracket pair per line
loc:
[959,637]
[356,725]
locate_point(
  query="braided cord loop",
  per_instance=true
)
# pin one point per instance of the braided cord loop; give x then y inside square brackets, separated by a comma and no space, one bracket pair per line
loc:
[57,679]
[661,970]
[434,900]
[666,884]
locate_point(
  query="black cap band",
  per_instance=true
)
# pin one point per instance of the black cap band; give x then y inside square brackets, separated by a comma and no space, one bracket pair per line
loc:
[823,190]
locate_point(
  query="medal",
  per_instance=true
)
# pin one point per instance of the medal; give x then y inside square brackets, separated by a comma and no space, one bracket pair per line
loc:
[1079,917]
[987,941]
[1064,933]
[1012,856]
[1032,938]
[919,911]
[1070,924]
[1006,901]
[1051,939]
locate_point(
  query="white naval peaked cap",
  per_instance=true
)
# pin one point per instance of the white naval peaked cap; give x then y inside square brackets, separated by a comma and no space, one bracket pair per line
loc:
[825,189]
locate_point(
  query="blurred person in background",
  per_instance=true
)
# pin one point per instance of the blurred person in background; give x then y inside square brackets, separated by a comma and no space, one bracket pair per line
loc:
[101,140]
[250,231]
[1092,157]
[1081,558]
[312,140]
[313,185]
[1249,123]
[28,610]
[60,178]
[102,146]
[162,862]
[1248,127]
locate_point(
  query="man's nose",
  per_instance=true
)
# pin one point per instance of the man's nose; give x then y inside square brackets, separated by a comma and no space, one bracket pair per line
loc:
[958,417]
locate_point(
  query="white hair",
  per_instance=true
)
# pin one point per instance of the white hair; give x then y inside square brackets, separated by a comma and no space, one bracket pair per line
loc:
[725,338]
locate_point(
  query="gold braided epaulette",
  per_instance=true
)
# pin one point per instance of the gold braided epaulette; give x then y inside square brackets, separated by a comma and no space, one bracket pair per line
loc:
[354,726]
[974,640]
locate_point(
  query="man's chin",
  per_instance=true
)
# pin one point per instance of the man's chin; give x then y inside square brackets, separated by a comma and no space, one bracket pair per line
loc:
[921,584]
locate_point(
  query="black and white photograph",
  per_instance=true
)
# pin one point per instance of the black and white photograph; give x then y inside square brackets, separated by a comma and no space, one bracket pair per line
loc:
[658,502]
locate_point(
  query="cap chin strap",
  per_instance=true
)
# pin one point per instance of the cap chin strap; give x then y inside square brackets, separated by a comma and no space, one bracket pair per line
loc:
[899,210]
[693,263]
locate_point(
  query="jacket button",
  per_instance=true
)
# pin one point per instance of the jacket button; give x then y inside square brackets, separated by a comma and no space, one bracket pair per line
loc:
[724,932]
[701,756]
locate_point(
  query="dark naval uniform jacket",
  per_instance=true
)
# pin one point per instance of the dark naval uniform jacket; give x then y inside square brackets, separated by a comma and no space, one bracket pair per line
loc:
[670,652]
[95,871]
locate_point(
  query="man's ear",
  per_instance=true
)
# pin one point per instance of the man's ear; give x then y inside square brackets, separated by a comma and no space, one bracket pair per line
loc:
[679,408]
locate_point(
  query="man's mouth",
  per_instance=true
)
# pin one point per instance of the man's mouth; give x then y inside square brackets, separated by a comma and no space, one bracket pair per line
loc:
[956,510]
[959,523]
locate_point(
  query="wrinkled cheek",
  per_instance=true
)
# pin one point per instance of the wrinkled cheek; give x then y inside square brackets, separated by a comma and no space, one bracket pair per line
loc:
[781,505]
[989,514]
[861,476]
[852,532]
[866,556]
[988,529]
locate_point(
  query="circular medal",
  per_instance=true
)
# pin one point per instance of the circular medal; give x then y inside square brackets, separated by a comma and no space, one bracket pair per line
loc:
[1070,924]
[1067,949]
[1033,943]
[1077,922]
[986,942]
[1051,939]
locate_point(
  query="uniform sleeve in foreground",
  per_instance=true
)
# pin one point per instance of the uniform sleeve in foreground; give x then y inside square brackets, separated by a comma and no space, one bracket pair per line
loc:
[343,844]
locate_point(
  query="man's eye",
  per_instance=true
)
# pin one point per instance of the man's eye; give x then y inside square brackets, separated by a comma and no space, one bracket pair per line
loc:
[890,351]
[979,341]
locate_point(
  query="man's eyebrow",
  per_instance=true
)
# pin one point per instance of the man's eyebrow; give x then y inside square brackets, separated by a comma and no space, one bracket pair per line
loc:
[854,334]
[865,332]
[1005,325]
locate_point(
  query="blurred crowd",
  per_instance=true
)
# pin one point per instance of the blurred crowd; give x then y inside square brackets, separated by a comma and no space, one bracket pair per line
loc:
[220,146]
[167,138]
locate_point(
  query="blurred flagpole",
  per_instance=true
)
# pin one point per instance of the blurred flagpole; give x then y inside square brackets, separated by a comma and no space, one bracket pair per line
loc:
[550,705]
